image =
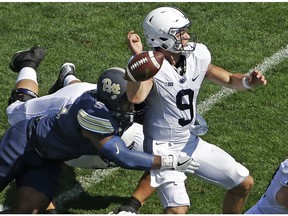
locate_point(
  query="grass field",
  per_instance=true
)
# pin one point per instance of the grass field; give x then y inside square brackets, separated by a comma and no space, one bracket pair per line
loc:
[252,126]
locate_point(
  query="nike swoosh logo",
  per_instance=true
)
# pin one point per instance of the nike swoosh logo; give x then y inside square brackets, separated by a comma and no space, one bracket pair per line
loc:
[193,79]
[117,149]
[180,164]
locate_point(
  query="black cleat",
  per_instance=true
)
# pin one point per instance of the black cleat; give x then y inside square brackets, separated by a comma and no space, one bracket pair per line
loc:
[27,58]
[65,70]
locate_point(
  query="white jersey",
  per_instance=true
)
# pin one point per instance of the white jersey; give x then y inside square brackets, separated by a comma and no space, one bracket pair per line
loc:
[47,104]
[172,101]
[268,203]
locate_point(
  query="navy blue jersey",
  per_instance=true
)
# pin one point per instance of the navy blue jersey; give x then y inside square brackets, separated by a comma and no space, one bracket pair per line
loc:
[58,136]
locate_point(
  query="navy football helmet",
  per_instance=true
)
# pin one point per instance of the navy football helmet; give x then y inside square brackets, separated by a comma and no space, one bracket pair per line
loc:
[111,90]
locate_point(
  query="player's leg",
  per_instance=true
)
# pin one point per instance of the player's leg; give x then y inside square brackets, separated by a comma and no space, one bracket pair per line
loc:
[44,105]
[138,197]
[36,184]
[171,195]
[13,151]
[28,200]
[236,197]
[25,64]
[219,168]
[67,76]
[174,197]
[143,190]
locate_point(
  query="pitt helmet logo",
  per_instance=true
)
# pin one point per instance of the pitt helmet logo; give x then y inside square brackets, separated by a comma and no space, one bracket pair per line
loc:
[112,88]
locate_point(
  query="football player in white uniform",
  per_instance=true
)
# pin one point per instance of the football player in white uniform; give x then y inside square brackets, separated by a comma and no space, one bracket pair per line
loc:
[275,198]
[170,97]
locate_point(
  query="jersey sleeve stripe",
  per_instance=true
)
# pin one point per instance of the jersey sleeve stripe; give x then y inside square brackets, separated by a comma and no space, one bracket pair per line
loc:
[94,124]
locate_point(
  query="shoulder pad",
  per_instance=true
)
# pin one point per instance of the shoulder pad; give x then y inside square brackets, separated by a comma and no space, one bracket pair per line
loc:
[202,52]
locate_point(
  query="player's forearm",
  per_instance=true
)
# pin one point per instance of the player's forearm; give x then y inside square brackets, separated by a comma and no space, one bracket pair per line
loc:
[138,91]
[225,78]
[115,150]
[238,83]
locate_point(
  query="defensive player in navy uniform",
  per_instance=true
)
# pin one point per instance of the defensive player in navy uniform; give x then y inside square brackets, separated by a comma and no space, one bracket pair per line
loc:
[32,151]
[275,198]
[171,97]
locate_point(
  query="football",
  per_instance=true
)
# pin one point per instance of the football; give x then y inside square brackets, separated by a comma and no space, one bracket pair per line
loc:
[144,66]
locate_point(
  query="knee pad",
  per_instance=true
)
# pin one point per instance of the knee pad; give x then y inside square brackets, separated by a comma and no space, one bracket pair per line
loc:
[242,170]
[173,194]
[21,94]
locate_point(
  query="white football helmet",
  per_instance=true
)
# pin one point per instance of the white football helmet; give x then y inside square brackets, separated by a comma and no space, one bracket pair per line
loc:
[161,26]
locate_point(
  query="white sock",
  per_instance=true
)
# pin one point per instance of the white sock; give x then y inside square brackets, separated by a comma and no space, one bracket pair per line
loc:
[69,79]
[27,73]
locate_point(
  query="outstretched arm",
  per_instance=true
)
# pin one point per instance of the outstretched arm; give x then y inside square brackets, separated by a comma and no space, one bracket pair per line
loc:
[236,81]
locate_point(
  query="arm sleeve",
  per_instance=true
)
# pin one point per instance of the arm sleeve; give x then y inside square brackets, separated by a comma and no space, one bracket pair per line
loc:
[116,151]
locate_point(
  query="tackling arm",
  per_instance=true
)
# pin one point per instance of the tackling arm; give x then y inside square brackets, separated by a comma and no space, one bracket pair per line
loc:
[113,148]
[116,150]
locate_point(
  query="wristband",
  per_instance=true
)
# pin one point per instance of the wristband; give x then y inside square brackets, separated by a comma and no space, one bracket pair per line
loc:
[245,83]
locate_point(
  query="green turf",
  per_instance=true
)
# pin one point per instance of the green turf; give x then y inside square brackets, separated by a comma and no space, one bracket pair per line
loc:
[252,126]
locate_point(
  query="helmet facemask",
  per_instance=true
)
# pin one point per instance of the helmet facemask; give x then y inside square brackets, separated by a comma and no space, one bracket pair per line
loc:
[127,113]
[124,112]
[178,35]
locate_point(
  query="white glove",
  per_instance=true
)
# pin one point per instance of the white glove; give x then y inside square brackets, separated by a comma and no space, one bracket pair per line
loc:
[180,163]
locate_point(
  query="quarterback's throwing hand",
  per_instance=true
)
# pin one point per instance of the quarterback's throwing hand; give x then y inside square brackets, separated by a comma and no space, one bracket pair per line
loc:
[134,42]
[182,163]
